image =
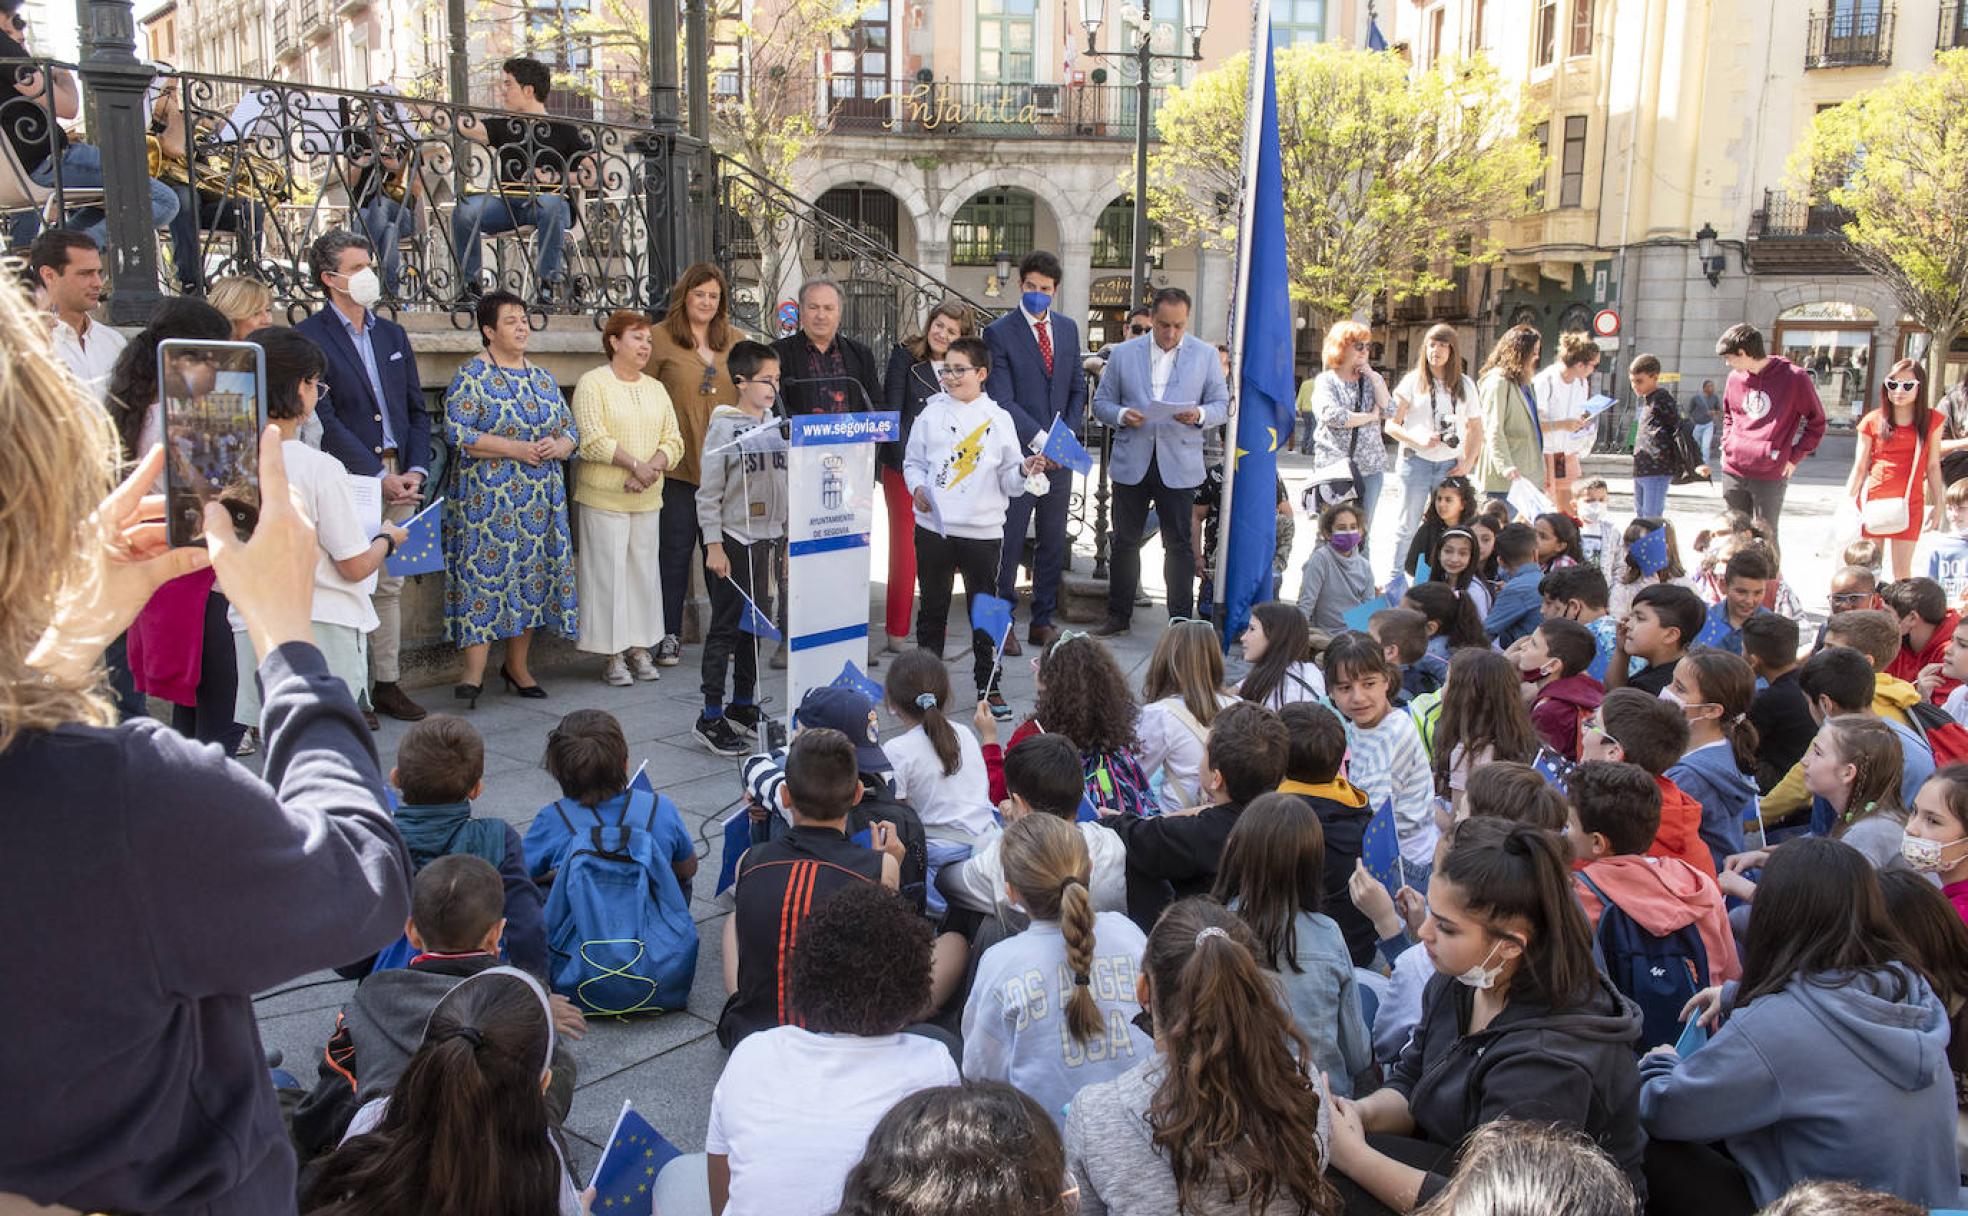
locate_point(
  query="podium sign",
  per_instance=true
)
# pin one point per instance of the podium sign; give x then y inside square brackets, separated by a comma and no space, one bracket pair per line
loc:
[830,492]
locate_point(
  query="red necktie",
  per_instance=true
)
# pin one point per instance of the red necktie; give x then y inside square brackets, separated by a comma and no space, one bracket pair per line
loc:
[1044,332]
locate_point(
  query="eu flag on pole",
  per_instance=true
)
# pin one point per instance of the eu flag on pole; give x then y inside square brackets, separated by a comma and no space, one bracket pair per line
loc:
[755,622]
[1375,40]
[421,552]
[625,1181]
[1380,848]
[1650,552]
[1554,768]
[1064,447]
[852,677]
[1263,344]
[991,615]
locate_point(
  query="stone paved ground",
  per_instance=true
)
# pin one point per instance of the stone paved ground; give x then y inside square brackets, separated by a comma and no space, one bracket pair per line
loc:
[669,1064]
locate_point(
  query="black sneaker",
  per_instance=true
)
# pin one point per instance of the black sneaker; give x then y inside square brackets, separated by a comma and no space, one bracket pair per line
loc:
[718,735]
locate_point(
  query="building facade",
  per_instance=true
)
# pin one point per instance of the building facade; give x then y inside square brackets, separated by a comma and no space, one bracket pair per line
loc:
[1661,118]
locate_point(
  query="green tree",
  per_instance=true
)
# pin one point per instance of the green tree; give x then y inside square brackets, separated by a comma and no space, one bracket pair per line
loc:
[1389,181]
[1896,158]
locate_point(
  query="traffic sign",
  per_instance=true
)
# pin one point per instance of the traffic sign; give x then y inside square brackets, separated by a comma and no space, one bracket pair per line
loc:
[1605,323]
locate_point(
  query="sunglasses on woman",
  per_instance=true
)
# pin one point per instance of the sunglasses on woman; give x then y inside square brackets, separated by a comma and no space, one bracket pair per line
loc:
[1902,386]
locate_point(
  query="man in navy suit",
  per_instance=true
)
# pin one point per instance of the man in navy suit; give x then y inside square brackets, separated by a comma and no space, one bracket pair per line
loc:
[1036,377]
[1159,393]
[374,421]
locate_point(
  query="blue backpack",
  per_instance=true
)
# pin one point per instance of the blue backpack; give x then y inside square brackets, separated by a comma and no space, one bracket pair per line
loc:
[620,938]
[1658,974]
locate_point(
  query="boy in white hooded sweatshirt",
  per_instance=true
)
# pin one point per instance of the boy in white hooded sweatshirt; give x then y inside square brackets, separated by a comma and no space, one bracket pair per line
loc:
[962,465]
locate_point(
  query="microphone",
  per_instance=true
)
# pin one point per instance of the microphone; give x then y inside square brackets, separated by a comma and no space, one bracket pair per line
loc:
[859,387]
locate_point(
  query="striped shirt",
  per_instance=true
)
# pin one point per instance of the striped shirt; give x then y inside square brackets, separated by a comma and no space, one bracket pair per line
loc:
[1386,761]
[779,885]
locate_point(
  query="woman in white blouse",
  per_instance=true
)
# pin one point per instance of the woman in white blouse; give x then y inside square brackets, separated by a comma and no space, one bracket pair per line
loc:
[1183,692]
[1437,425]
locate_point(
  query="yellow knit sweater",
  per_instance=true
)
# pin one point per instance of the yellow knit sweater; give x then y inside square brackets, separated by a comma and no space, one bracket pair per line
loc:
[636,418]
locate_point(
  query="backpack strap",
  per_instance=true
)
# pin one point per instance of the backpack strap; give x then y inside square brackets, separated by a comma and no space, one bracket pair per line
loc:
[647,801]
[1188,720]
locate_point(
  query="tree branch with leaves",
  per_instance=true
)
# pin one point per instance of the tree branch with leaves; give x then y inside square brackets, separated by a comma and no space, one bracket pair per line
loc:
[1389,181]
[1896,159]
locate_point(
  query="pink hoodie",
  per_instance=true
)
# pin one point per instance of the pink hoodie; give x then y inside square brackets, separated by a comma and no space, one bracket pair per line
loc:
[1663,894]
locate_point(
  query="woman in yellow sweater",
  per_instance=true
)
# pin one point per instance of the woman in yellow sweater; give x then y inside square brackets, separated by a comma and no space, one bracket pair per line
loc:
[629,439]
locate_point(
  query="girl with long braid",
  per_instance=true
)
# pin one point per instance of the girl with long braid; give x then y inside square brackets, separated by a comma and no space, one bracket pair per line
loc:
[1070,964]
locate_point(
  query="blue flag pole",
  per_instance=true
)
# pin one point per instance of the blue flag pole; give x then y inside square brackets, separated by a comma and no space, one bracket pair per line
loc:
[1261,340]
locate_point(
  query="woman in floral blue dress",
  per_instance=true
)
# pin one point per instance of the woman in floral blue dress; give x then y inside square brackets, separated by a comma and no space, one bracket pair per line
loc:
[508,560]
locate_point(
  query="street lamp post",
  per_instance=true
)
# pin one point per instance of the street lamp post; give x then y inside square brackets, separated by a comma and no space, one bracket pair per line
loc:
[1148,62]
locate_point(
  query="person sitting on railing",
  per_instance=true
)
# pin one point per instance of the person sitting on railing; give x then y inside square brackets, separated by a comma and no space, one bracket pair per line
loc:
[383,187]
[541,162]
[31,99]
[221,202]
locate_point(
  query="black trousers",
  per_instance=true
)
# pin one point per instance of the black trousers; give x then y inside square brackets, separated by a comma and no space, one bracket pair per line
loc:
[1176,508]
[210,721]
[677,542]
[939,559]
[728,647]
[1408,1150]
[1694,1180]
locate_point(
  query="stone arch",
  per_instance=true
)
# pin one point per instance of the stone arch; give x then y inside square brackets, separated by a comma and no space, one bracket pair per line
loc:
[1066,218]
[912,200]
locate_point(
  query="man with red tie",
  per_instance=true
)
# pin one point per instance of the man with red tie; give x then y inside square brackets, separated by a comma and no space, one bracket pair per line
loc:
[1036,377]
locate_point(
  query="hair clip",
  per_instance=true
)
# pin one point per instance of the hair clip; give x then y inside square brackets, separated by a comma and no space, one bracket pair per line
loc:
[469,1034]
[1211,931]
[926,701]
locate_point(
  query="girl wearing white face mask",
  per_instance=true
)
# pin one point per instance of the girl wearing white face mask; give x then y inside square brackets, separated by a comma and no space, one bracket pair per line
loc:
[1936,840]
[1713,689]
[1517,1023]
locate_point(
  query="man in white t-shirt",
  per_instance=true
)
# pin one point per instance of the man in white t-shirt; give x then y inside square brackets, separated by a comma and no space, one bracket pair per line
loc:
[792,1112]
[1562,391]
[69,268]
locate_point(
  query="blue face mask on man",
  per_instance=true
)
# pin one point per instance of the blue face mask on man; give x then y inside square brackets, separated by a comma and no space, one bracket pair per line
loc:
[1036,302]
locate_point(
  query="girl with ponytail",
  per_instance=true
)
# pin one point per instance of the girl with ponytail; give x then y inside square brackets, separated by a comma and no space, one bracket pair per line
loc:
[1517,1023]
[1713,689]
[1225,1117]
[465,1129]
[1049,1009]
[1273,875]
[938,765]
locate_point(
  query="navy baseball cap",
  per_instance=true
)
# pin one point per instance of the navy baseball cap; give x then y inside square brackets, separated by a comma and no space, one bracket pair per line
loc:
[852,714]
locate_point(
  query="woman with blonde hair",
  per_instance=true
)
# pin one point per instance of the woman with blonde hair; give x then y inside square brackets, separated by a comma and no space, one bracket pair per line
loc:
[246,302]
[688,353]
[1348,401]
[1561,391]
[203,883]
[1513,444]
[912,379]
[1052,1040]
[1183,692]
[629,440]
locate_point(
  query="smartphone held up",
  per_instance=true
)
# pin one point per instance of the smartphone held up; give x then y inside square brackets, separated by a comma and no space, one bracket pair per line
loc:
[212,401]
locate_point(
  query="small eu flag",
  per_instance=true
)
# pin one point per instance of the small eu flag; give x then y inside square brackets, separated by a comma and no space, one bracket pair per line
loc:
[1063,447]
[853,678]
[1423,571]
[991,615]
[421,552]
[1380,848]
[1649,553]
[755,622]
[625,1181]
[641,779]
[1359,616]
[1554,768]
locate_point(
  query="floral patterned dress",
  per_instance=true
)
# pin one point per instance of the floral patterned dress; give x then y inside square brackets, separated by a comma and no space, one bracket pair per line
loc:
[509,561]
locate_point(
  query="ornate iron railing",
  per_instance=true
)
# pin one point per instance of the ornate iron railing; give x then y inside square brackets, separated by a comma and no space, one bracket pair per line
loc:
[441,189]
[768,241]
[1788,214]
[1857,33]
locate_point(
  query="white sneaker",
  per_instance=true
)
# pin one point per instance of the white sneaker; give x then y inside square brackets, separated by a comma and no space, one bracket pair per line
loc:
[642,665]
[616,672]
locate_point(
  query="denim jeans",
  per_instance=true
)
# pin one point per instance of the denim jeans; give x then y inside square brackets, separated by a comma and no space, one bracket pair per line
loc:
[1369,485]
[548,214]
[1650,497]
[1704,433]
[82,169]
[1418,481]
[384,222]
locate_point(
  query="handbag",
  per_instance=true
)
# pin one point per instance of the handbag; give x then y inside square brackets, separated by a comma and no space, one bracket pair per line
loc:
[1338,481]
[1890,516]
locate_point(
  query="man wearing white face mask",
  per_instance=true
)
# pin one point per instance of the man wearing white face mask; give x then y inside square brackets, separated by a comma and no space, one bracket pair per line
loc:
[373,420]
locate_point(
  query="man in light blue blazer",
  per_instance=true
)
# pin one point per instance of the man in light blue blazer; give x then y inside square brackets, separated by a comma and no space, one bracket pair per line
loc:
[1159,393]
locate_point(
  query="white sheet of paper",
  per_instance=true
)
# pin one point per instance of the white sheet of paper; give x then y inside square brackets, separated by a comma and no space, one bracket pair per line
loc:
[1528,500]
[1165,411]
[367,493]
[1597,406]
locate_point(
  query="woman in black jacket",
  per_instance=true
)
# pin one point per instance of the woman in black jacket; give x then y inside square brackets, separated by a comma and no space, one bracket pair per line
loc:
[1516,1024]
[913,368]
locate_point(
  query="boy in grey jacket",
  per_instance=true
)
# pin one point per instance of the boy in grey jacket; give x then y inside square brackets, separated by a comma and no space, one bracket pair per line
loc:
[741,506]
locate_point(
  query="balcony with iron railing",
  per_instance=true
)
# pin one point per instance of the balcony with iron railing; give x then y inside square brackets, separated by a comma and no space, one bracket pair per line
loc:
[284,44]
[953,110]
[1792,234]
[1852,35]
[1951,31]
